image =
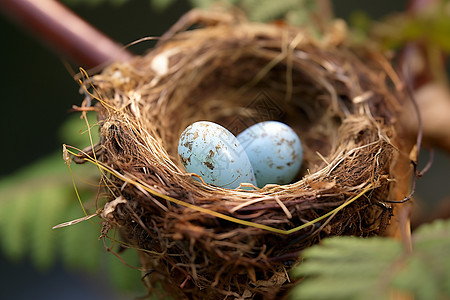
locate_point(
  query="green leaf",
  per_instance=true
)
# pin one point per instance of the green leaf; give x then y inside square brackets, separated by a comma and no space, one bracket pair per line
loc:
[296,12]
[269,10]
[75,130]
[80,247]
[20,202]
[372,268]
[14,218]
[122,276]
[335,263]
[430,26]
[360,25]
[202,4]
[37,197]
[161,5]
[40,196]
[427,271]
[49,204]
[33,201]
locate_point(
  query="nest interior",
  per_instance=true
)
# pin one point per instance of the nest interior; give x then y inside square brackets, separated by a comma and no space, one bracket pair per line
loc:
[341,101]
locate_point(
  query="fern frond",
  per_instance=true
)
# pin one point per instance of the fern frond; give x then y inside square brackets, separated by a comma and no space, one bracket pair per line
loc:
[14,221]
[346,268]
[427,272]
[372,268]
[80,247]
[36,198]
[122,276]
[49,204]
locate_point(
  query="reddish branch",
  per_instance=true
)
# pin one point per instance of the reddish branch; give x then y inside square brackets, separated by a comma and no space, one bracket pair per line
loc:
[63,31]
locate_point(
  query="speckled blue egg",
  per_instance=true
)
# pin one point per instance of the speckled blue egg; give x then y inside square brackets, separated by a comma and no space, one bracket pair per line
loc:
[274,150]
[211,151]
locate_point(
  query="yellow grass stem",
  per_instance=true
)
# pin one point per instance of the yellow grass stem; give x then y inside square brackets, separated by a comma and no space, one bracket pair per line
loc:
[220,215]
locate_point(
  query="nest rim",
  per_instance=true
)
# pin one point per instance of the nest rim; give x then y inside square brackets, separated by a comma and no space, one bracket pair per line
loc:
[372,129]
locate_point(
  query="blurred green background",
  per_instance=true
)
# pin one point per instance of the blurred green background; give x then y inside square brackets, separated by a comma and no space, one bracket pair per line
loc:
[37,93]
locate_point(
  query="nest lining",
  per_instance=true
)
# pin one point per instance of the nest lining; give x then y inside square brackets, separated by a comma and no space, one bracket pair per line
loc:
[340,102]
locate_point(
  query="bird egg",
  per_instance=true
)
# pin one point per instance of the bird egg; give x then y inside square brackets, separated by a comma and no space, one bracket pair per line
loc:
[215,154]
[274,150]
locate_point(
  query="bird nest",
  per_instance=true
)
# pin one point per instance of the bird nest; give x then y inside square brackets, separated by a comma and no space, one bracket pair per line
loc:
[205,242]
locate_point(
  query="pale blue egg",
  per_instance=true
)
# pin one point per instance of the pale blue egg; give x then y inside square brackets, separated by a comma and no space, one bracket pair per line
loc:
[274,150]
[211,151]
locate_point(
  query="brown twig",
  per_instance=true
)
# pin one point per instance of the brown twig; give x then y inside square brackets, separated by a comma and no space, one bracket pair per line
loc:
[414,50]
[418,5]
[64,32]
[432,95]
[412,134]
